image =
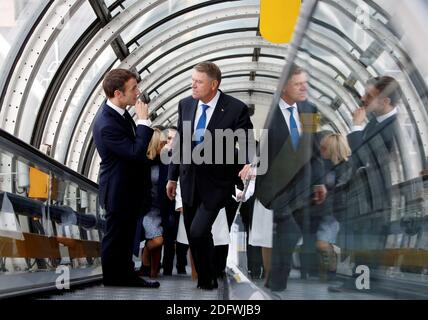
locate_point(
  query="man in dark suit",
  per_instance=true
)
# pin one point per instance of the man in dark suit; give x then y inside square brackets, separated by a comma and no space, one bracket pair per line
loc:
[206,186]
[292,184]
[373,146]
[124,185]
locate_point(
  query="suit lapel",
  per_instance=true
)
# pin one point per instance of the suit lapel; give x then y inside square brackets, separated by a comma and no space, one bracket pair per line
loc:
[189,113]
[374,128]
[370,130]
[121,120]
[278,133]
[218,113]
[381,126]
[280,125]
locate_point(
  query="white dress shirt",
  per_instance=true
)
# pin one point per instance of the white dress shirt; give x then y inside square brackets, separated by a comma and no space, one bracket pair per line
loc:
[379,119]
[286,113]
[209,110]
[121,111]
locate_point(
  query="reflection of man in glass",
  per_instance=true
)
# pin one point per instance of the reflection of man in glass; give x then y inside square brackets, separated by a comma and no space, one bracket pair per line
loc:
[373,144]
[291,186]
[381,97]
[372,148]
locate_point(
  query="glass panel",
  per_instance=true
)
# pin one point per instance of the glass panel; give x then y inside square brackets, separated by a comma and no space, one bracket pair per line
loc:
[84,89]
[337,19]
[342,202]
[45,213]
[15,19]
[182,52]
[58,51]
[159,13]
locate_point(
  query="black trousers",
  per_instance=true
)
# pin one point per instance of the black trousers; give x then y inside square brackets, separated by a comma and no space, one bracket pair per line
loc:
[117,246]
[198,221]
[286,233]
[171,247]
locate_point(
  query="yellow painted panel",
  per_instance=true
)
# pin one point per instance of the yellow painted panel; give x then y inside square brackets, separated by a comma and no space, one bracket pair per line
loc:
[278,19]
[39,184]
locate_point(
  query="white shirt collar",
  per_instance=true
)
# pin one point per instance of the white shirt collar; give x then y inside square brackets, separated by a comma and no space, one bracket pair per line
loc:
[213,101]
[284,105]
[116,108]
[387,115]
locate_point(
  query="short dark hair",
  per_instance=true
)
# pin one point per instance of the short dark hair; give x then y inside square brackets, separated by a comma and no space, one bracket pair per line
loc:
[388,87]
[210,68]
[294,69]
[115,80]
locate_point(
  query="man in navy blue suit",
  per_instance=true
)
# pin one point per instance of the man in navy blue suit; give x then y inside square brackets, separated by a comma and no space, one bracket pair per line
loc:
[124,183]
[206,187]
[293,184]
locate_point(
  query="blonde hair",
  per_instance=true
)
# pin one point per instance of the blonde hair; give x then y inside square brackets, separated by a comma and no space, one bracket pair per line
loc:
[336,147]
[155,143]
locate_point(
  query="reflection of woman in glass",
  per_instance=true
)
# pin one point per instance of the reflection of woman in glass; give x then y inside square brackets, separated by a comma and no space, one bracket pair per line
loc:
[335,148]
[152,221]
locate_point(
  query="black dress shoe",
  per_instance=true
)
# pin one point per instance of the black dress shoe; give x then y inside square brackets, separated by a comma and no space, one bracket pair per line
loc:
[209,285]
[147,283]
[136,282]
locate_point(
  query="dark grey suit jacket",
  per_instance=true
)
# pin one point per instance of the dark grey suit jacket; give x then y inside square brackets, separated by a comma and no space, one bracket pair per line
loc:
[372,149]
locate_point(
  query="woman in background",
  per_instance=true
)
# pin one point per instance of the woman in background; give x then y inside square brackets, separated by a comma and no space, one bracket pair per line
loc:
[335,149]
[153,221]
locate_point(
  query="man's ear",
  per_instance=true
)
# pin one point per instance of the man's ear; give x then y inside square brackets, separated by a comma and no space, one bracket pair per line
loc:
[386,101]
[118,93]
[214,84]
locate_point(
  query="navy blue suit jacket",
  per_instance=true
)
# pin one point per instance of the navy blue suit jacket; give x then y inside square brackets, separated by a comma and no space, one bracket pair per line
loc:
[213,183]
[291,173]
[124,177]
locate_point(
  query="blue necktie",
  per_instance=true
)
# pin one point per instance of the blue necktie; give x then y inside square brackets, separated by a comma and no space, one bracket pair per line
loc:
[200,127]
[294,131]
